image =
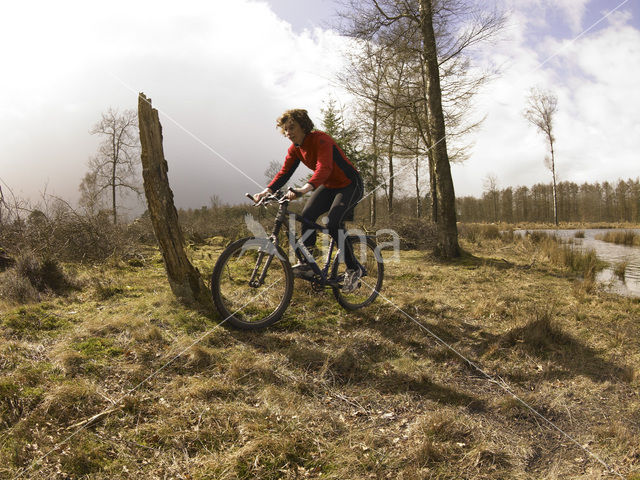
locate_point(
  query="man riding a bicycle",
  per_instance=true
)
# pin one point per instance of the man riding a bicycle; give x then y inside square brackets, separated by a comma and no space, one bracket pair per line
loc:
[336,184]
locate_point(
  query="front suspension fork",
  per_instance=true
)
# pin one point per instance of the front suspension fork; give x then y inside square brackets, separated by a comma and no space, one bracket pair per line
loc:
[269,251]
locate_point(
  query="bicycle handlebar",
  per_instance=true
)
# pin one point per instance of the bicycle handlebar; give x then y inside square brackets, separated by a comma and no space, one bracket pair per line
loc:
[267,199]
[251,197]
[296,191]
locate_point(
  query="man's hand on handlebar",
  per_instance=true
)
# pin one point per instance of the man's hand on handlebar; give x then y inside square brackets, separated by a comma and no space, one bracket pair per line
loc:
[294,193]
[259,196]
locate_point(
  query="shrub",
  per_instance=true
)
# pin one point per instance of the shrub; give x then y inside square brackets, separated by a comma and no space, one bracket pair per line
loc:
[475,232]
[218,220]
[415,234]
[538,237]
[31,276]
[5,260]
[16,288]
[68,235]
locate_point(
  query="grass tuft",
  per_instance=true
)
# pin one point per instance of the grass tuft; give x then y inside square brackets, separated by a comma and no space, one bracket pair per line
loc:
[620,269]
[426,453]
[581,262]
[626,237]
[106,288]
[200,358]
[33,322]
[71,402]
[541,333]
[30,277]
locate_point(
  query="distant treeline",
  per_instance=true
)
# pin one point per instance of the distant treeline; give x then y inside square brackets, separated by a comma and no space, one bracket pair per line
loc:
[599,202]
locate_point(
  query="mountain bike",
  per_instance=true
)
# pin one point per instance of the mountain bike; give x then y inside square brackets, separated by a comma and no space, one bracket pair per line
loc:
[253,281]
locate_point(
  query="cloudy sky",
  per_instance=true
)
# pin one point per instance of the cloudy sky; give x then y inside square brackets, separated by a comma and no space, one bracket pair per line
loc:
[221,71]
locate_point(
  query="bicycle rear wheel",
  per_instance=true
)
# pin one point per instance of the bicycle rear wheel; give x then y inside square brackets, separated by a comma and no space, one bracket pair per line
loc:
[366,252]
[252,283]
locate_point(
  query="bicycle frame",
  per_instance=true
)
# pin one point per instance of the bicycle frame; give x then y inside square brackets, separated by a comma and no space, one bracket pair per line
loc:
[299,249]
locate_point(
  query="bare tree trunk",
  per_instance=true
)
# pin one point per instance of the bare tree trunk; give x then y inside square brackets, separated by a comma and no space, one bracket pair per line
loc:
[113,194]
[374,140]
[553,173]
[418,202]
[425,133]
[390,165]
[184,279]
[432,189]
[447,227]
[418,199]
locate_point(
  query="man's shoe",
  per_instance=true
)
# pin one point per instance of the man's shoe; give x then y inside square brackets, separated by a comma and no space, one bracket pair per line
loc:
[351,280]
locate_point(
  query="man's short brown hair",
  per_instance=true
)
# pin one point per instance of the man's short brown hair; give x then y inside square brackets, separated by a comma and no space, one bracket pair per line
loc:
[299,115]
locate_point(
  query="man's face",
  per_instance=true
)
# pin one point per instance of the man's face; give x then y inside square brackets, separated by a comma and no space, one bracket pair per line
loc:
[293,131]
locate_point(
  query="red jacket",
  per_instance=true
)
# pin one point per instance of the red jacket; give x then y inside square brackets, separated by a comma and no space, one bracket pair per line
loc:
[320,153]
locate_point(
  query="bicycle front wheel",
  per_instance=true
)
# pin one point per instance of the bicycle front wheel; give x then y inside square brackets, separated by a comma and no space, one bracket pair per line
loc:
[368,255]
[252,283]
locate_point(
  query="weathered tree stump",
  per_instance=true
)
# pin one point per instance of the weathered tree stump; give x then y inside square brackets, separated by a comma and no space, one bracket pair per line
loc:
[184,279]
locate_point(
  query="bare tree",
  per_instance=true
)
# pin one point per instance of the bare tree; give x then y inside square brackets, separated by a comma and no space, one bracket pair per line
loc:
[364,78]
[541,108]
[114,166]
[492,191]
[272,170]
[90,193]
[430,36]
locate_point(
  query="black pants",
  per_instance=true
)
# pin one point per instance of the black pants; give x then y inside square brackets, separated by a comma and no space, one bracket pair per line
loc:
[339,203]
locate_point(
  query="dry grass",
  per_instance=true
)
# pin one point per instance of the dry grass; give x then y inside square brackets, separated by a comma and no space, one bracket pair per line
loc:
[324,393]
[31,278]
[585,263]
[620,269]
[626,237]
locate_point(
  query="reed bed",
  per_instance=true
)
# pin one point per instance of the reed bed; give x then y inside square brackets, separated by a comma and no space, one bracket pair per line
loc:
[625,237]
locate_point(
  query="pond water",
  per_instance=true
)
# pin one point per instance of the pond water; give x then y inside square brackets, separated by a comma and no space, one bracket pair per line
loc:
[612,254]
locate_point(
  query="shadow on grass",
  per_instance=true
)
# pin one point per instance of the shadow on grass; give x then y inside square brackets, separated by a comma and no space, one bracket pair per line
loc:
[399,382]
[541,337]
[469,260]
[357,361]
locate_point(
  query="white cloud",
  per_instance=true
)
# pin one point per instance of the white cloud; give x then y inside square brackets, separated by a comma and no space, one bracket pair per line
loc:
[573,11]
[597,123]
[542,13]
[223,70]
[226,69]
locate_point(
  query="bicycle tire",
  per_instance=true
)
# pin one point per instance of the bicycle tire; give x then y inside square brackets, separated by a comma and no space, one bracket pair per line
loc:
[242,305]
[369,256]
